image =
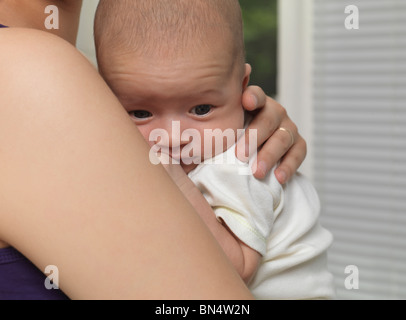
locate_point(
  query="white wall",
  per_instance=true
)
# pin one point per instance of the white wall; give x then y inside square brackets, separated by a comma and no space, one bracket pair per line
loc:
[85,41]
[346,91]
[295,57]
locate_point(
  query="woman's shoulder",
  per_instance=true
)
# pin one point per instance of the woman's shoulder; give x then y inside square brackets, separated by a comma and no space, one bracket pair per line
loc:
[21,38]
[22,48]
[32,59]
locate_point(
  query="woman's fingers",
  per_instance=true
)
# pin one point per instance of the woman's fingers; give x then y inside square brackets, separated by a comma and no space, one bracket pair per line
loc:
[254,98]
[277,137]
[291,161]
[285,146]
[267,117]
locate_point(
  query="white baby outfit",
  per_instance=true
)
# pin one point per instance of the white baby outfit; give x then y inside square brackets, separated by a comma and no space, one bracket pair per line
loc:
[280,222]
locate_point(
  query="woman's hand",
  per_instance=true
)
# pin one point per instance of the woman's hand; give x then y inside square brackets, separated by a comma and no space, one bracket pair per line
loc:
[277,134]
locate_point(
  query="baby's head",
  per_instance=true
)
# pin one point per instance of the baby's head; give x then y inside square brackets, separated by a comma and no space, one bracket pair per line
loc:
[175,60]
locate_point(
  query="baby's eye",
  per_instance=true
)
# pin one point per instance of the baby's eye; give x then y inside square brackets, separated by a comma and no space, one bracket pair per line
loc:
[140,114]
[202,109]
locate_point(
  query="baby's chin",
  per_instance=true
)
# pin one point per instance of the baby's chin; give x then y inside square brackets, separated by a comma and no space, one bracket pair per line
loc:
[200,159]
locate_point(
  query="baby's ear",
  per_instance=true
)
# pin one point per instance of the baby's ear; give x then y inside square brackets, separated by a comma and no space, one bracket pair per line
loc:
[247,74]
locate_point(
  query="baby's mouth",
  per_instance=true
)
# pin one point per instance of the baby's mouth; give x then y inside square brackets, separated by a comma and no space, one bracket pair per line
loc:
[176,156]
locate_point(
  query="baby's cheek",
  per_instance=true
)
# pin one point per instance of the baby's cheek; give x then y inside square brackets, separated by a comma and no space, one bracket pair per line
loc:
[146,133]
[219,142]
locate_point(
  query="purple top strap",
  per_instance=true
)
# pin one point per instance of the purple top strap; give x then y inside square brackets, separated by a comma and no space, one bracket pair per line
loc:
[21,280]
[2,26]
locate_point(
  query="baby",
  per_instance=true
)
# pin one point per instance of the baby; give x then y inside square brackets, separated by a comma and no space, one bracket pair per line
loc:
[179,65]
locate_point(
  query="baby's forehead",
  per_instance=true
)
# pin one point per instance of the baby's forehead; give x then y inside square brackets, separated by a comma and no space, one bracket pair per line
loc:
[141,79]
[185,46]
[218,55]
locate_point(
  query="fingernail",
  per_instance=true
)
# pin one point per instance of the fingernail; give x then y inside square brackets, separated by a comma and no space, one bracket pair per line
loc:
[261,169]
[281,176]
[254,100]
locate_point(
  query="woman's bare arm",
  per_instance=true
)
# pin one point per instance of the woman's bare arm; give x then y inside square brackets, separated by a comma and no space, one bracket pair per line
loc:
[244,259]
[78,191]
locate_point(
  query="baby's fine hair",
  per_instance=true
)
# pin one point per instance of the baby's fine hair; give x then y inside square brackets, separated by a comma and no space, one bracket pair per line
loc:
[159,28]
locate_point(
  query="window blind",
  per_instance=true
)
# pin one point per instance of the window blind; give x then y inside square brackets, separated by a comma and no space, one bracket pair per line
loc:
[360,143]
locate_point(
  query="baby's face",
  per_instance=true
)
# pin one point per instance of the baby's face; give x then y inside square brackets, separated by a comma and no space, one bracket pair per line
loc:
[199,92]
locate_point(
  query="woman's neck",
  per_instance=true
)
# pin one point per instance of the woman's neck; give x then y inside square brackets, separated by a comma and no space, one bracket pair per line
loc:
[31,14]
